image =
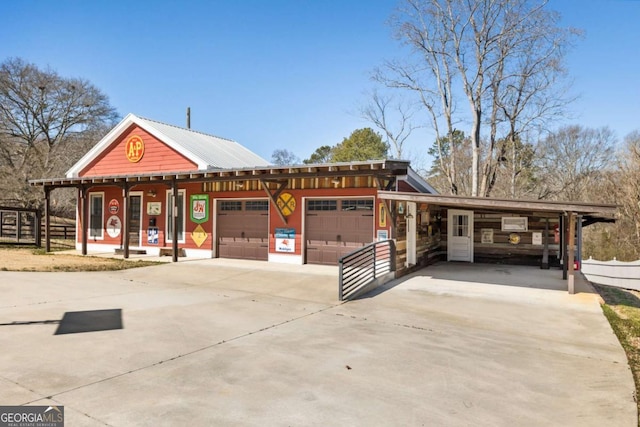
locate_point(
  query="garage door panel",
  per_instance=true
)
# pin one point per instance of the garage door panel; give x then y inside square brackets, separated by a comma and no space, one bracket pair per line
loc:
[243,234]
[334,233]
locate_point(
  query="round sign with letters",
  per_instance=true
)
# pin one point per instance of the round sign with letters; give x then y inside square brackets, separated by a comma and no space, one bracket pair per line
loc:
[134,148]
[114,206]
[286,204]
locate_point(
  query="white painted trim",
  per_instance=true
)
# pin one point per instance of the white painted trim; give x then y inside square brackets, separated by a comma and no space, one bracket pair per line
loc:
[450,213]
[167,238]
[102,228]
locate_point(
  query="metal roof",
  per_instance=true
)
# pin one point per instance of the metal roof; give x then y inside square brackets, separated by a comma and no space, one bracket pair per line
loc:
[218,153]
[206,151]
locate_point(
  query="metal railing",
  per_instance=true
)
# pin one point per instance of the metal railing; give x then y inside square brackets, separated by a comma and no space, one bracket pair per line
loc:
[363,268]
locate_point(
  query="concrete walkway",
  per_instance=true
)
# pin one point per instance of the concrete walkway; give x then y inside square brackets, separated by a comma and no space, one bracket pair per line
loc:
[219,342]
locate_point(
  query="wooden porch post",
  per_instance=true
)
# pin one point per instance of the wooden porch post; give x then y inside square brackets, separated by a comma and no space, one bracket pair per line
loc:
[174,221]
[126,220]
[571,249]
[47,219]
[545,251]
[83,218]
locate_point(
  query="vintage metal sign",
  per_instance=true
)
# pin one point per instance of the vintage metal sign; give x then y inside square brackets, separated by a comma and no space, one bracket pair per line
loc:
[199,208]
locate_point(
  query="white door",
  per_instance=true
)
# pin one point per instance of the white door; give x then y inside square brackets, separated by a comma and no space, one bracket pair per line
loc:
[460,236]
[411,233]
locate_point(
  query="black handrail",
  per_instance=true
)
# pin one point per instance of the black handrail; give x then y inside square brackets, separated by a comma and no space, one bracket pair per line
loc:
[364,266]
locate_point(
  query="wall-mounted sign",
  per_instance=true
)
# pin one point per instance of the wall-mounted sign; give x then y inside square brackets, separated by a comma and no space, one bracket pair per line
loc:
[154,208]
[486,235]
[199,235]
[152,235]
[514,238]
[516,223]
[285,240]
[114,206]
[199,208]
[286,203]
[382,215]
[382,235]
[114,226]
[134,148]
[536,238]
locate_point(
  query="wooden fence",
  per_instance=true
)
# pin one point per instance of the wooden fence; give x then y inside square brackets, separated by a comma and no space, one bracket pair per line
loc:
[613,273]
[20,227]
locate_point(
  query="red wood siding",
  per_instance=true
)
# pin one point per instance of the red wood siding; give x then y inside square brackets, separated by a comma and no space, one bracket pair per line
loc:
[158,157]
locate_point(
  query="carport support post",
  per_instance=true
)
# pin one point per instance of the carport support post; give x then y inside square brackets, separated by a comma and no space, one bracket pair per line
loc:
[571,250]
[545,251]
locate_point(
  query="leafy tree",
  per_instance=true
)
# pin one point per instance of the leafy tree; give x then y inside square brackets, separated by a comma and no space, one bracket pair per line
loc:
[322,154]
[284,157]
[362,144]
[47,122]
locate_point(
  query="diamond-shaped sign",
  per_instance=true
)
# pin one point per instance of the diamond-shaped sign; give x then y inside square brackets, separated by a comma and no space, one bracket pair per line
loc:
[199,235]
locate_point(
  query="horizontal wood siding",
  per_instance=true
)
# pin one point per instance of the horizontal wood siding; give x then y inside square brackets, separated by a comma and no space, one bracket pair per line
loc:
[158,157]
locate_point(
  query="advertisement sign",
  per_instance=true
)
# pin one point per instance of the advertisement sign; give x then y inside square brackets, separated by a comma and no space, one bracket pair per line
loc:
[152,235]
[285,240]
[199,208]
[114,206]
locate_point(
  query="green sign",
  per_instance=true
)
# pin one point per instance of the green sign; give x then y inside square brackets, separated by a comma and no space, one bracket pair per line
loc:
[199,208]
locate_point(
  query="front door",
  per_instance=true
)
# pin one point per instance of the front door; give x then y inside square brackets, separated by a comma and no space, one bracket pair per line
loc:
[460,236]
[134,224]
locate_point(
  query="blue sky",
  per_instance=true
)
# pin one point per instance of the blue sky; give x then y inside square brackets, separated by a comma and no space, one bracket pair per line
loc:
[276,74]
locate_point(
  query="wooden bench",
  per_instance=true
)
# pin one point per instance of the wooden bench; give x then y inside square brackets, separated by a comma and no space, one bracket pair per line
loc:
[168,251]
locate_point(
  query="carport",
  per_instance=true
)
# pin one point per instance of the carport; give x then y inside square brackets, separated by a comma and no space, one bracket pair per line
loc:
[430,227]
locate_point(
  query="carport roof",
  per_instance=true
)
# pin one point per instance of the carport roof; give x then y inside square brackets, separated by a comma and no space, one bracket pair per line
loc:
[601,211]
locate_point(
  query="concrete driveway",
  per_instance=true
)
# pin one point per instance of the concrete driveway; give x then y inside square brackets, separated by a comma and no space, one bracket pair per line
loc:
[218,342]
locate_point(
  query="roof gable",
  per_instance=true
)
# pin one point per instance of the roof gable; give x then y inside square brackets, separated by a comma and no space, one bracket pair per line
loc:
[205,151]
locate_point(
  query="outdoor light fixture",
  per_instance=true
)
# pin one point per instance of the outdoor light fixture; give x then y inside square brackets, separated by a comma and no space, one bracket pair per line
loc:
[151,193]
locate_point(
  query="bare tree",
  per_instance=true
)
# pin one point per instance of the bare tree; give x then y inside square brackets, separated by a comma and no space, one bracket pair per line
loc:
[42,118]
[479,50]
[393,118]
[571,160]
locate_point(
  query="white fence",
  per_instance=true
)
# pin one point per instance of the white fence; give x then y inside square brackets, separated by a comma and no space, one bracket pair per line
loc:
[613,273]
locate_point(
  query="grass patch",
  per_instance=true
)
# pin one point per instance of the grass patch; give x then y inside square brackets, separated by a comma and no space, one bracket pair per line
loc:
[622,309]
[23,259]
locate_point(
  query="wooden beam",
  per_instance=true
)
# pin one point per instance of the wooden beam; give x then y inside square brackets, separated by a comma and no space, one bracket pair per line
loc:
[83,217]
[47,219]
[126,220]
[174,222]
[274,197]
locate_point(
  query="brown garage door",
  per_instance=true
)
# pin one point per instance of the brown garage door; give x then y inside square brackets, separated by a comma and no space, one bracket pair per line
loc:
[337,227]
[243,229]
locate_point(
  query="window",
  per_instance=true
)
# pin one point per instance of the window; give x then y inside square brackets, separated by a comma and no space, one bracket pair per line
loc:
[357,205]
[256,205]
[179,220]
[322,205]
[460,226]
[96,215]
[229,205]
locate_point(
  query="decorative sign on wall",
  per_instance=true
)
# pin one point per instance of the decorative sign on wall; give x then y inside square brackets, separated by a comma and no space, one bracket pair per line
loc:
[154,208]
[199,235]
[286,203]
[285,240]
[114,226]
[382,235]
[382,215]
[114,206]
[536,238]
[199,208]
[152,235]
[514,238]
[134,148]
[486,235]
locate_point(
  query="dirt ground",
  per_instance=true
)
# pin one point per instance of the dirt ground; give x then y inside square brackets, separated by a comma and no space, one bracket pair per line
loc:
[28,259]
